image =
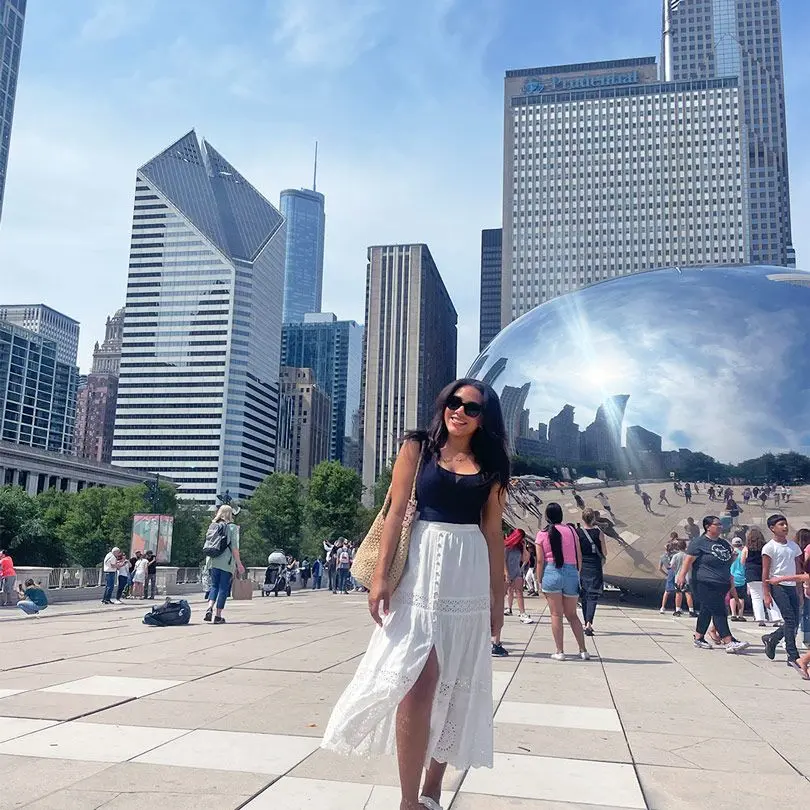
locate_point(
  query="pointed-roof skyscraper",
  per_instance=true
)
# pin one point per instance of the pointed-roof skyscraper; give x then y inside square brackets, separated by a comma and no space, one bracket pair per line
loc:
[198,390]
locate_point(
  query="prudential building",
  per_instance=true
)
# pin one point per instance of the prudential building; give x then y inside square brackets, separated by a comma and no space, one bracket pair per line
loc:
[198,390]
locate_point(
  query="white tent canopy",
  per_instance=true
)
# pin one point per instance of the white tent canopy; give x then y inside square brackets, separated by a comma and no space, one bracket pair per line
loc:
[587,483]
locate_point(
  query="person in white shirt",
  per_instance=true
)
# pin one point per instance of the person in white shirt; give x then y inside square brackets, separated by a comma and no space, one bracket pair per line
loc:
[782,557]
[139,577]
[110,569]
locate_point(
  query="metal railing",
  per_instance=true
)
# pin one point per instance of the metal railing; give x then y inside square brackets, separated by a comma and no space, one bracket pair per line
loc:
[188,576]
[76,578]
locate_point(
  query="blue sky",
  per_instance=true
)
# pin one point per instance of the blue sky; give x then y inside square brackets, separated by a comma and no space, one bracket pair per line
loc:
[405,99]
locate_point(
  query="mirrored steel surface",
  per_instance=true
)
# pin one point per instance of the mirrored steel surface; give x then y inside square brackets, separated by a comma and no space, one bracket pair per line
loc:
[627,380]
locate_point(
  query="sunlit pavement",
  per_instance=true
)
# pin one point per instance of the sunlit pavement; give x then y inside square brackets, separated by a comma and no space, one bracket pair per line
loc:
[99,710]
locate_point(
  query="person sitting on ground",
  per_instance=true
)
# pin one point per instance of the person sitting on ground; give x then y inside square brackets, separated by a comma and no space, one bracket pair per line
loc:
[33,600]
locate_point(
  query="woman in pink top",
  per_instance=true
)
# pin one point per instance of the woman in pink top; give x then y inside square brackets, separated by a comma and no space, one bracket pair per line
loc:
[559,559]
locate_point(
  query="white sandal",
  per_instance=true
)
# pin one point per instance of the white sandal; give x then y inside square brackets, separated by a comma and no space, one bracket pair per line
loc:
[426,801]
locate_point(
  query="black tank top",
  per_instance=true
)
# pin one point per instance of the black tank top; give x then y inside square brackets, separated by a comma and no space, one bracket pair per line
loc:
[446,497]
[753,566]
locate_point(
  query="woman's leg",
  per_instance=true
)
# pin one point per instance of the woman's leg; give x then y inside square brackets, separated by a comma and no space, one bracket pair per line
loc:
[213,592]
[510,595]
[517,588]
[570,610]
[413,730]
[225,579]
[806,622]
[705,616]
[757,603]
[432,787]
[555,606]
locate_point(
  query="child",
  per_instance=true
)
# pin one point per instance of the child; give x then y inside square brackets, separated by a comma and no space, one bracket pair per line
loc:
[33,599]
[664,568]
[674,569]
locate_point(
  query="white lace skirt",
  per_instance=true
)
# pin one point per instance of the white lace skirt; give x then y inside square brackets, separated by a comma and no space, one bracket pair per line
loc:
[442,602]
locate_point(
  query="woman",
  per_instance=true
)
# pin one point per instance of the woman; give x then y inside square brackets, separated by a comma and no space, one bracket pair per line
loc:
[559,560]
[709,559]
[803,541]
[665,567]
[593,553]
[221,567]
[752,560]
[737,604]
[425,682]
[515,552]
[139,577]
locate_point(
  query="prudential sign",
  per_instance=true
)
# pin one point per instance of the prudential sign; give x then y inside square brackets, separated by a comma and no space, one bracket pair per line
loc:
[532,87]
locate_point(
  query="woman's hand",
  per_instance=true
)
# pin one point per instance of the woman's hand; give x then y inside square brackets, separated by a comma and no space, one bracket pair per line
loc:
[495,619]
[380,592]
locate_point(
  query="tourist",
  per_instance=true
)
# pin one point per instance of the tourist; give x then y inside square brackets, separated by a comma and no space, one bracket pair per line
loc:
[746,496]
[665,567]
[151,575]
[8,576]
[737,602]
[529,566]
[515,555]
[691,528]
[448,604]
[139,573]
[33,600]
[662,498]
[803,662]
[678,558]
[306,571]
[647,501]
[687,492]
[763,497]
[331,569]
[124,566]
[110,570]
[782,558]
[708,558]
[558,563]
[344,564]
[803,542]
[317,574]
[603,499]
[222,567]
[593,554]
[752,560]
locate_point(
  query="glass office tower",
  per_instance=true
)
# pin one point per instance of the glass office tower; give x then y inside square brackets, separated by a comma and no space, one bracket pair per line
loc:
[743,38]
[12,19]
[198,390]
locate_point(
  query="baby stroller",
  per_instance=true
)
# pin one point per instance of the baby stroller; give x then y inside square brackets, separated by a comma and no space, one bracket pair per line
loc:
[275,576]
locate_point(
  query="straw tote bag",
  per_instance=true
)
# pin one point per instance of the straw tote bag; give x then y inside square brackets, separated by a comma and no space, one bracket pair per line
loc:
[365,561]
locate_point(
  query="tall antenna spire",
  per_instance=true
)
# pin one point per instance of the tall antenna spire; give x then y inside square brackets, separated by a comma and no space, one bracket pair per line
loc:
[315,170]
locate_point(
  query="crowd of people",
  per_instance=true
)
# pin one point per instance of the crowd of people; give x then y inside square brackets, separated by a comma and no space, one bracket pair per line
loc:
[128,577]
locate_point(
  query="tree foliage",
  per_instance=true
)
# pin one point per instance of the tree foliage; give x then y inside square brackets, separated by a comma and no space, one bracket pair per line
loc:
[272,519]
[333,503]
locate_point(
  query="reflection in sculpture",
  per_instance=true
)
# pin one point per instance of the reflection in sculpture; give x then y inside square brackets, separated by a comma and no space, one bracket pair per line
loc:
[655,377]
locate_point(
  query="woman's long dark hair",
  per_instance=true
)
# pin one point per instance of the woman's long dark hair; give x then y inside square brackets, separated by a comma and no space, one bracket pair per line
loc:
[488,443]
[554,515]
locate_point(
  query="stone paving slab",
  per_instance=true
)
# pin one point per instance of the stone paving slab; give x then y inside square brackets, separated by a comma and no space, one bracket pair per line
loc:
[230,716]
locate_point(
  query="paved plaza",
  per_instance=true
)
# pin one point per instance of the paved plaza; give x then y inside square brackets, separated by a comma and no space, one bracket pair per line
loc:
[99,710]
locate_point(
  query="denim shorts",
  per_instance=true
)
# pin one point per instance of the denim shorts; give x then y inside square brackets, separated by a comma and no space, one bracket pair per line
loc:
[563,580]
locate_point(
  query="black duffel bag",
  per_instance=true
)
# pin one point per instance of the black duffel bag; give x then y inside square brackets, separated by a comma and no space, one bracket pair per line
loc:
[169,614]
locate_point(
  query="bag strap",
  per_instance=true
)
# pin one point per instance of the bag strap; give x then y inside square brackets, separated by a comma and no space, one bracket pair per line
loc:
[387,502]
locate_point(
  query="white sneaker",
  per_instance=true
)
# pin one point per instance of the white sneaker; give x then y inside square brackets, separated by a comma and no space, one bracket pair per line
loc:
[734,647]
[116,601]
[558,656]
[526,619]
[662,611]
[585,655]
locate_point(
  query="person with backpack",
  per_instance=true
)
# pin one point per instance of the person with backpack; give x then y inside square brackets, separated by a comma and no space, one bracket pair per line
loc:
[344,563]
[221,550]
[593,554]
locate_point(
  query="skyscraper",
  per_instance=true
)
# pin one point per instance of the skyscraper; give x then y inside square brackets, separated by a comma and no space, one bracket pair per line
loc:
[49,323]
[37,390]
[333,349]
[96,399]
[198,390]
[410,349]
[304,423]
[708,39]
[303,273]
[609,171]
[12,19]
[490,308]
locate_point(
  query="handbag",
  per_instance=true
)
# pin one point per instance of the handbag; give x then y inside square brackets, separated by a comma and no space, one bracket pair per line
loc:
[365,560]
[242,588]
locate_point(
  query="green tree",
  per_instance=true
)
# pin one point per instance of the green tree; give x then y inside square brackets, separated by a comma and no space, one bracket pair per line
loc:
[333,504]
[191,519]
[53,506]
[21,527]
[382,484]
[272,518]
[83,531]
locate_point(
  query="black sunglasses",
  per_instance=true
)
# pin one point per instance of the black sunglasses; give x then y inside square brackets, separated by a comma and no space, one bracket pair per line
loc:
[472,409]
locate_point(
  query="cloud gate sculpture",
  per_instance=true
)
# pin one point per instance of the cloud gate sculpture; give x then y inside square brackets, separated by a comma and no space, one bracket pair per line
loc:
[665,376]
